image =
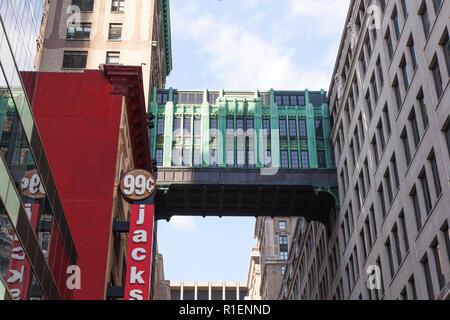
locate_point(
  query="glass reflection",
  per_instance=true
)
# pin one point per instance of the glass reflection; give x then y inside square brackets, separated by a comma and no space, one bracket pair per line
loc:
[14,265]
[16,151]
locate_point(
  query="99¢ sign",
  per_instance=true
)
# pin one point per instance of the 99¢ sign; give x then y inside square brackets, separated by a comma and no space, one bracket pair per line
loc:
[137,185]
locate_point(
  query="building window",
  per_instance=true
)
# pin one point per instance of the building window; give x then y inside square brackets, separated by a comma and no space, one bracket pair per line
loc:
[390,257]
[423,108]
[412,52]
[380,72]
[186,157]
[395,169]
[284,159]
[404,8]
[405,73]
[319,128]
[85,5]
[447,137]
[437,5]
[112,57]
[426,191]
[161,97]
[404,231]
[375,150]
[283,247]
[213,158]
[75,59]
[416,206]
[380,131]
[415,128]
[292,129]
[240,158]
[115,31]
[187,127]
[230,158]
[412,286]
[266,127]
[387,119]
[381,199]
[423,12]
[197,127]
[197,157]
[438,263]
[305,159]
[398,249]
[316,99]
[369,105]
[321,159]
[396,21]
[362,60]
[117,5]
[404,137]
[436,71]
[278,101]
[435,170]
[302,128]
[283,129]
[389,43]
[268,159]
[176,157]
[294,159]
[159,157]
[177,127]
[446,234]
[160,126]
[445,44]
[373,84]
[398,96]
[80,32]
[282,225]
[429,282]
[301,100]
[387,180]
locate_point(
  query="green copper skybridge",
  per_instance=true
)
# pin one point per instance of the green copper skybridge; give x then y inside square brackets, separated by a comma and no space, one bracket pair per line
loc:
[249,153]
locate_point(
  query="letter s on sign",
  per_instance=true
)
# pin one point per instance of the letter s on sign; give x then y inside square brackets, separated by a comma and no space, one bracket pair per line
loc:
[136,294]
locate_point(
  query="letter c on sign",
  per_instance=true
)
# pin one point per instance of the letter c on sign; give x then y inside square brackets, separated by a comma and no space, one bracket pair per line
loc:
[135,256]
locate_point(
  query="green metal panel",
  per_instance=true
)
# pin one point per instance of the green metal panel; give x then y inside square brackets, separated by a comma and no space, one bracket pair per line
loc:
[258,137]
[222,125]
[166,36]
[310,126]
[275,136]
[205,130]
[238,106]
[168,134]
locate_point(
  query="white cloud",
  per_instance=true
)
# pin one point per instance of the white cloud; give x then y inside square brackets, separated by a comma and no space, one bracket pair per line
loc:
[242,58]
[292,48]
[328,15]
[183,223]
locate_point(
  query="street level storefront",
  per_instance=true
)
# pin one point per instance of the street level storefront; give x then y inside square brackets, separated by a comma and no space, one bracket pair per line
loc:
[94,128]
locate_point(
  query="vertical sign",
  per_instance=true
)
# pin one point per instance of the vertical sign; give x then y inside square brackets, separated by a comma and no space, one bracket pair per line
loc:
[137,286]
[137,186]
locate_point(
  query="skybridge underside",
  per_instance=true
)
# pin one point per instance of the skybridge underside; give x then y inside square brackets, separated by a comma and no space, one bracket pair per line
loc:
[228,192]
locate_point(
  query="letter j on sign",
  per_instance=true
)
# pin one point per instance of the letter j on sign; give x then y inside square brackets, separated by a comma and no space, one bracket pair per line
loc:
[137,286]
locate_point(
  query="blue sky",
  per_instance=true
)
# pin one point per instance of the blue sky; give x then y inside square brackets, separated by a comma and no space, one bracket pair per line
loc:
[242,45]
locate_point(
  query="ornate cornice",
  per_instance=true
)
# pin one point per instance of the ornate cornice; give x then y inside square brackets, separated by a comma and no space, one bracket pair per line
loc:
[127,81]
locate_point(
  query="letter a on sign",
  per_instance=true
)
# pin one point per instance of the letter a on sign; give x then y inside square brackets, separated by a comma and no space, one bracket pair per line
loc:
[137,286]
